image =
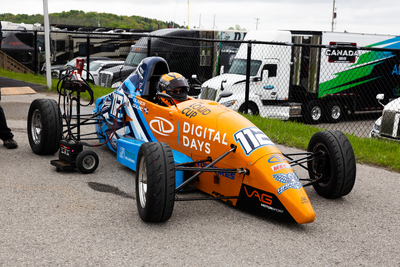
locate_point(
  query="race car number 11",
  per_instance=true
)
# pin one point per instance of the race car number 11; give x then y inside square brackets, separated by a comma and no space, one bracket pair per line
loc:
[251,139]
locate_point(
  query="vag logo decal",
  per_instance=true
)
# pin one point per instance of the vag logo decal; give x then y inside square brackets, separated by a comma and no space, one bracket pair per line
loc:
[161,126]
[263,198]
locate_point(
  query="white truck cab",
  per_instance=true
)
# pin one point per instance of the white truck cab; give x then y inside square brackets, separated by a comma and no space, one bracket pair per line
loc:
[268,62]
[387,126]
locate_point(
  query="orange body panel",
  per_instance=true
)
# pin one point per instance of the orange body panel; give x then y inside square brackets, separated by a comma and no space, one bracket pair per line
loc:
[202,128]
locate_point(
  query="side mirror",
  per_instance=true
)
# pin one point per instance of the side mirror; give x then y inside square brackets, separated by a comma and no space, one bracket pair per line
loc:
[222,85]
[224,94]
[194,77]
[380,97]
[221,70]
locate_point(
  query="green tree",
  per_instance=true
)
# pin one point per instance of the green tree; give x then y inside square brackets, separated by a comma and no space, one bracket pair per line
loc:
[90,19]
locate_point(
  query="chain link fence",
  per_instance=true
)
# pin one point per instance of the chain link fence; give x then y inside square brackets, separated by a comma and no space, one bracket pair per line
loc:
[333,86]
[331,81]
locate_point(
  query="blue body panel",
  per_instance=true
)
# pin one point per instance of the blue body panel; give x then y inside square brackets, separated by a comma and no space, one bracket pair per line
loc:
[128,150]
[126,143]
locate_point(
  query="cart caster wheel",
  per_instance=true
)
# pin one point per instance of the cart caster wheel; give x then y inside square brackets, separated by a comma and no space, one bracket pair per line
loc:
[87,161]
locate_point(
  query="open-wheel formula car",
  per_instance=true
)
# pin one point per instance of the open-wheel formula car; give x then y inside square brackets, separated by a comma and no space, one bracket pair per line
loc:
[203,143]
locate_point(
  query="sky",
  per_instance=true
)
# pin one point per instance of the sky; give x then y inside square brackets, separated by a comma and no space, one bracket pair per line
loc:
[360,16]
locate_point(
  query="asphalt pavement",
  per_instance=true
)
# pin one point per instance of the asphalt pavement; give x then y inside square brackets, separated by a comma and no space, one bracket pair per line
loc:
[50,218]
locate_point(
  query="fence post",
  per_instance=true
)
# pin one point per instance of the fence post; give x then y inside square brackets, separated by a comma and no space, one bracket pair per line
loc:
[87,56]
[35,56]
[246,97]
[148,46]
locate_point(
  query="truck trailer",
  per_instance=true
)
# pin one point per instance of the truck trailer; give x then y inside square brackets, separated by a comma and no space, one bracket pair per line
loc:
[311,74]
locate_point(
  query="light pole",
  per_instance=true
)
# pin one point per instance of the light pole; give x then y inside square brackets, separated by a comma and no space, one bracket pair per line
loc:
[333,15]
[47,42]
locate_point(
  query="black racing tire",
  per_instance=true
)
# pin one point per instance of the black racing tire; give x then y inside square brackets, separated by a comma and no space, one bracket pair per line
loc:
[44,126]
[252,109]
[335,112]
[313,113]
[87,161]
[155,182]
[337,169]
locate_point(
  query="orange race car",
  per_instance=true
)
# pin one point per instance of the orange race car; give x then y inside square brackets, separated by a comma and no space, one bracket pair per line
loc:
[174,141]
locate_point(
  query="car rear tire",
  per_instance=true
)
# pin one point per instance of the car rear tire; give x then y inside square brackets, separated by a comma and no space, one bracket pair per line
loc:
[155,182]
[44,126]
[336,170]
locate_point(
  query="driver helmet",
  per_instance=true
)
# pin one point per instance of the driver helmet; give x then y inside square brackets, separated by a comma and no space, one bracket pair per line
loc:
[175,85]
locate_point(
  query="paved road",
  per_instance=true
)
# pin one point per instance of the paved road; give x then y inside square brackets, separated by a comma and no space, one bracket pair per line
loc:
[70,219]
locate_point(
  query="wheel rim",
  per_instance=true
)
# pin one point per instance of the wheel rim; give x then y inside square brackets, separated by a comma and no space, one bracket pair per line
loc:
[320,166]
[89,162]
[142,182]
[335,112]
[36,126]
[316,113]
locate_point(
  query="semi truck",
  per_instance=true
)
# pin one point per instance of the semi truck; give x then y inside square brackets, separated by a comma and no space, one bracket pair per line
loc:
[319,76]
[182,51]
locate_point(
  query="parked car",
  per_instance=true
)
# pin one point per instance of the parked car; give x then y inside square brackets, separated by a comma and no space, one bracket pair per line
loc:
[100,65]
[387,126]
[57,70]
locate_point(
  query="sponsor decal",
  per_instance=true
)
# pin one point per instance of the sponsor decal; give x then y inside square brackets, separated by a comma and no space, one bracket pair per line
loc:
[194,109]
[396,70]
[304,200]
[251,139]
[341,54]
[198,137]
[263,198]
[280,166]
[161,126]
[271,208]
[229,175]
[127,155]
[290,180]
[138,104]
[276,159]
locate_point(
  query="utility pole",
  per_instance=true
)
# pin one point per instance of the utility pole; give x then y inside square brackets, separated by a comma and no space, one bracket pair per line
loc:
[333,15]
[214,26]
[257,19]
[188,14]
[47,42]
